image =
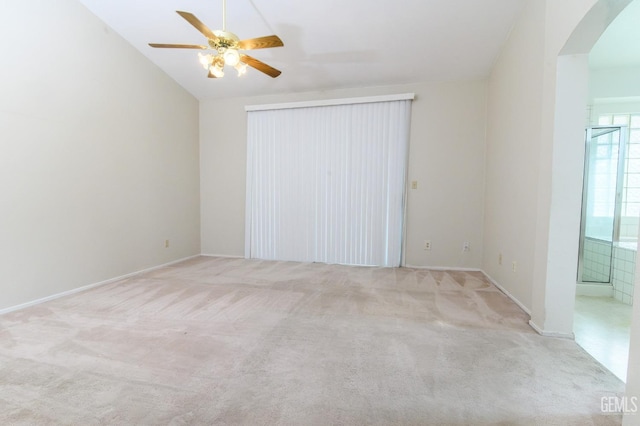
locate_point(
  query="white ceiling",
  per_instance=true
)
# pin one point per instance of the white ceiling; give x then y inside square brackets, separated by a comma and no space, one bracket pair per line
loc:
[619,45]
[334,44]
[327,44]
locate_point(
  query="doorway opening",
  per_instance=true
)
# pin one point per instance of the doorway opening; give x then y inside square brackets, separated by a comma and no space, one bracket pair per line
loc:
[611,199]
[606,260]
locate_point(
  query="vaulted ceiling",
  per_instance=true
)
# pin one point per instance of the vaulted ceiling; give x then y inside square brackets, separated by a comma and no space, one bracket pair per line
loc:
[327,45]
[340,43]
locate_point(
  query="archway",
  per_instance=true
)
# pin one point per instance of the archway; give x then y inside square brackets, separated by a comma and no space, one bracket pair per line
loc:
[571,95]
[562,140]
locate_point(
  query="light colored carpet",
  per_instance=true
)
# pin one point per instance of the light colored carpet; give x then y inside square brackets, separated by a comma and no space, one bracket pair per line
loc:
[233,341]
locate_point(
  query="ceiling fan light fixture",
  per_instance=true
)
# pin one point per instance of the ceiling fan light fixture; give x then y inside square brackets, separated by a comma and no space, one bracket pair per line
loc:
[205,60]
[241,67]
[216,71]
[217,65]
[231,57]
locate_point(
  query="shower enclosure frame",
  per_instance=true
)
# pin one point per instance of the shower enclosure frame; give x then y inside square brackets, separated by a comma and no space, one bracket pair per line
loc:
[620,172]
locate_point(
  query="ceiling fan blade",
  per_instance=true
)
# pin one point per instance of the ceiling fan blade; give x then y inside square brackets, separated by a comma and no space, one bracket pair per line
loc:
[197,24]
[260,66]
[178,46]
[260,43]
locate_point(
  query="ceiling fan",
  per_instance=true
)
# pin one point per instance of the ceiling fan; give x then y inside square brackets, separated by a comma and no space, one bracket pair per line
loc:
[226,46]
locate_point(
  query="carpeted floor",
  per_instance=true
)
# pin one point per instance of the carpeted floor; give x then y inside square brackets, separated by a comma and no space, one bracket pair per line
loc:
[234,341]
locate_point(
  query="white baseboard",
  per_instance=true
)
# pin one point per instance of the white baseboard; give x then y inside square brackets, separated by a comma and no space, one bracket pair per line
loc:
[532,324]
[594,290]
[509,295]
[557,334]
[90,286]
[226,256]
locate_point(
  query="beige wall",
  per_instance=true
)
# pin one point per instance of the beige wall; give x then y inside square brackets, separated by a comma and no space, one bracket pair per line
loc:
[99,155]
[513,149]
[446,158]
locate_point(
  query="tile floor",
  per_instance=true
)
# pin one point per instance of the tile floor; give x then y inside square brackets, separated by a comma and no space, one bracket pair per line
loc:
[602,327]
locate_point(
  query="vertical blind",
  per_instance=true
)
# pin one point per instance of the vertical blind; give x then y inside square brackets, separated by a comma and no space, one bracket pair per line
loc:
[327,183]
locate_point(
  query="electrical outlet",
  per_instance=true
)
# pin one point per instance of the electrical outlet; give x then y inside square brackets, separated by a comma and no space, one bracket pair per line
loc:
[466,246]
[514,266]
[499,258]
[166,243]
[427,244]
[414,184]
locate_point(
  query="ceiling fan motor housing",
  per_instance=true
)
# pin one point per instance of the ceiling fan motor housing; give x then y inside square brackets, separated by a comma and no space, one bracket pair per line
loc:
[225,40]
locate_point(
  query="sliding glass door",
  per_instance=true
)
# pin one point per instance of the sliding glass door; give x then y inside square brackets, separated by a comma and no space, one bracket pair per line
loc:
[327,183]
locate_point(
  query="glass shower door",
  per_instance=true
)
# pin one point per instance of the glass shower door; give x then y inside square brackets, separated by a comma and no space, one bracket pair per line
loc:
[601,203]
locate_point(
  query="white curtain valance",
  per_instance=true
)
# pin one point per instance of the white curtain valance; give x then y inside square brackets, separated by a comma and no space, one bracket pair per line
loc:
[330,102]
